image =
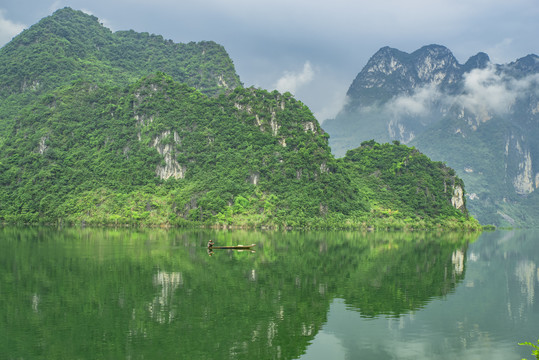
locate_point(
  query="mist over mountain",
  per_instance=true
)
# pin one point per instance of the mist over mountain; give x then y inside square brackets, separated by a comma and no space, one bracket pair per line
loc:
[480,118]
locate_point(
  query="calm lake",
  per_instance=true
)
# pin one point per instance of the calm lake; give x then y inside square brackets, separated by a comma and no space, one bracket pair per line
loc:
[158,294]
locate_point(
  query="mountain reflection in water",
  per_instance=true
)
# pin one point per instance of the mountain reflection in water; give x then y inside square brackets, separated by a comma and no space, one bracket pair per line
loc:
[109,293]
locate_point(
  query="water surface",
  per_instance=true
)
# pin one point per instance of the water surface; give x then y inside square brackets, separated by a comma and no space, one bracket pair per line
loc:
[157,294]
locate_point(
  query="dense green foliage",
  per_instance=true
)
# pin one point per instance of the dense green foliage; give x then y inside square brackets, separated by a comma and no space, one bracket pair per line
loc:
[95,154]
[92,142]
[71,45]
[83,146]
[404,179]
[535,348]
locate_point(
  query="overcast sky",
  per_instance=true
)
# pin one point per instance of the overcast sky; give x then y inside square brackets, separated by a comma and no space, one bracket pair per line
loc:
[312,48]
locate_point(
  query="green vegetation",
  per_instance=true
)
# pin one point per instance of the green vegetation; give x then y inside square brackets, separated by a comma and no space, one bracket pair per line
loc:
[88,140]
[72,46]
[535,352]
[159,152]
[421,186]
[403,186]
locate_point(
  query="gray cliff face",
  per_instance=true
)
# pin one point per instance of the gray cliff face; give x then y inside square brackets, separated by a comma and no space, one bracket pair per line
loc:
[402,93]
[482,119]
[170,167]
[457,200]
[435,65]
[390,72]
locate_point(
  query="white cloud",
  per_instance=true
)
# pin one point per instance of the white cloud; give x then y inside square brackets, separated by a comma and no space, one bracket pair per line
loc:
[8,28]
[292,81]
[493,91]
[418,104]
[487,91]
[530,82]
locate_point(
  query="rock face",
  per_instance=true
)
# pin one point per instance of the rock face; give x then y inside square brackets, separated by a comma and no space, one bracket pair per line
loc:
[458,198]
[524,181]
[391,71]
[402,94]
[482,119]
[165,147]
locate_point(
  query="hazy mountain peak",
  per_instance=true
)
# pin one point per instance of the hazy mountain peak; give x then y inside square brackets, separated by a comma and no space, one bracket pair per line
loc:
[526,64]
[432,50]
[386,60]
[433,63]
[390,71]
[478,61]
[388,51]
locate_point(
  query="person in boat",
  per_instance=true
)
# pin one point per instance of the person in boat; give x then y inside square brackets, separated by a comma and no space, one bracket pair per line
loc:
[210,244]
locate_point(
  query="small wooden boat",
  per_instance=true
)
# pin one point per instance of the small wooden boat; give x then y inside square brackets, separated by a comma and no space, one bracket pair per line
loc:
[234,247]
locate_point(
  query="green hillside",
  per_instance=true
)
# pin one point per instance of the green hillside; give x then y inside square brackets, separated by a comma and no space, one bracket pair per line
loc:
[71,45]
[127,128]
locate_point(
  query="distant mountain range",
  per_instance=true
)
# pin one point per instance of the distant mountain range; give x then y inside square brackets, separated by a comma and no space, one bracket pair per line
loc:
[118,128]
[480,118]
